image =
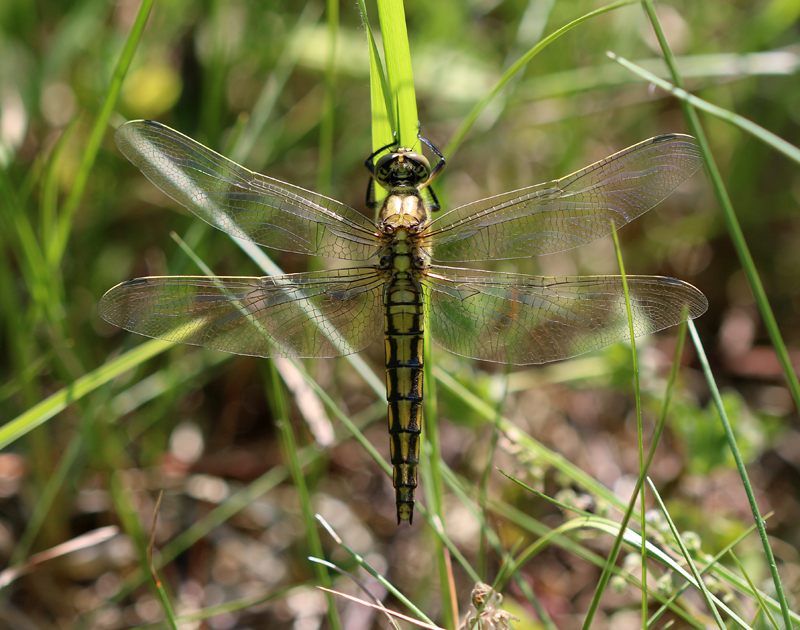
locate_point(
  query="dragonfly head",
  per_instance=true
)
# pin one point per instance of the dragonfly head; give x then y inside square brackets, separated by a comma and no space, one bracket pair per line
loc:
[402,169]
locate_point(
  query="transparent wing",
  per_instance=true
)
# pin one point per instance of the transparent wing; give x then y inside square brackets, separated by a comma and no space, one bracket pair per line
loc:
[316,314]
[567,212]
[242,203]
[520,319]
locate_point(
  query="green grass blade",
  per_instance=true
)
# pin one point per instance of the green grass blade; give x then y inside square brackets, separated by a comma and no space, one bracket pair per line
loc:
[472,117]
[731,222]
[57,402]
[612,558]
[687,556]
[400,77]
[362,562]
[766,136]
[290,453]
[58,245]
[711,564]
[401,88]
[606,575]
[759,521]
[756,286]
[383,123]
[326,126]
[639,433]
[762,604]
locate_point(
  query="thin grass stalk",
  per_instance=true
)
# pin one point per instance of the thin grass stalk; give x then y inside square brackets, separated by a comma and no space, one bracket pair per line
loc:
[124,509]
[474,114]
[362,562]
[729,434]
[712,564]
[387,614]
[606,575]
[687,556]
[639,434]
[731,222]
[761,603]
[159,587]
[216,517]
[758,291]
[766,136]
[559,536]
[483,485]
[57,246]
[290,453]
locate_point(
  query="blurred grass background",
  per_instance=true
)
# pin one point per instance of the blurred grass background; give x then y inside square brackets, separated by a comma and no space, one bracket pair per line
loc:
[248,80]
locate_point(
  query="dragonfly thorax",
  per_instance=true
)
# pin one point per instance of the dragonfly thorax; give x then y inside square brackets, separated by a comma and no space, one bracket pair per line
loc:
[402,169]
[403,210]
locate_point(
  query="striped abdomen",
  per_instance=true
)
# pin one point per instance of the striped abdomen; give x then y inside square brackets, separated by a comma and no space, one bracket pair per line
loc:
[403,326]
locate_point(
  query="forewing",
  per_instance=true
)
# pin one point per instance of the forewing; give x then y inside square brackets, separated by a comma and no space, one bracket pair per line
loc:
[242,203]
[567,212]
[519,319]
[315,314]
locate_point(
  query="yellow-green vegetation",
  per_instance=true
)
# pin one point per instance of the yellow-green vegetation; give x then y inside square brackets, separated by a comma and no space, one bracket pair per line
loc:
[96,422]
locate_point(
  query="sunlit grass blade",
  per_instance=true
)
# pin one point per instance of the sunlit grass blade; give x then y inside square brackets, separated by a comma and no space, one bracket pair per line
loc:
[402,96]
[561,536]
[411,620]
[84,541]
[757,288]
[397,55]
[386,613]
[57,402]
[687,556]
[373,572]
[766,136]
[712,564]
[382,112]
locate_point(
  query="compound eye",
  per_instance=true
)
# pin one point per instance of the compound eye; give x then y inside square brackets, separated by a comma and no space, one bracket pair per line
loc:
[383,168]
[422,168]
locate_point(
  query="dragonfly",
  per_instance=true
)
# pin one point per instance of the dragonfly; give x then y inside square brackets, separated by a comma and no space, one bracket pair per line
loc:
[401,278]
